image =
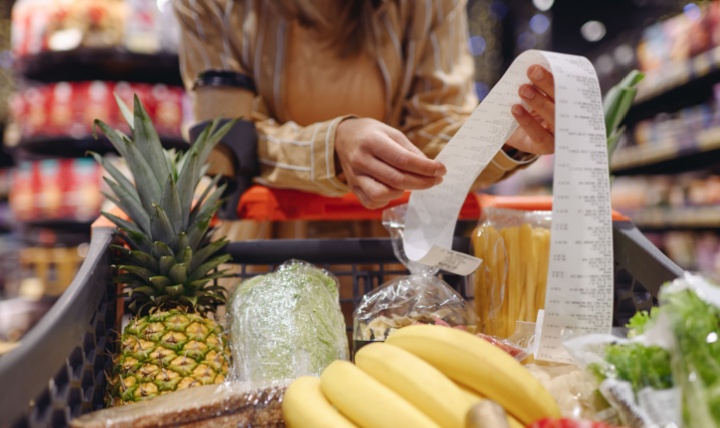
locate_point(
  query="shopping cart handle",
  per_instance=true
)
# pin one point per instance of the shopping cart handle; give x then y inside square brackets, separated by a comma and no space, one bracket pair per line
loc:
[267,204]
[262,203]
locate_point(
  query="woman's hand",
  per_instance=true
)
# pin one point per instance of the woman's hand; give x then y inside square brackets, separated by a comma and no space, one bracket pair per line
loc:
[537,126]
[380,163]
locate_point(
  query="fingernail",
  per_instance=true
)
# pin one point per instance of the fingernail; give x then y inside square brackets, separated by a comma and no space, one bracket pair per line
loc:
[537,74]
[527,91]
[440,171]
[518,110]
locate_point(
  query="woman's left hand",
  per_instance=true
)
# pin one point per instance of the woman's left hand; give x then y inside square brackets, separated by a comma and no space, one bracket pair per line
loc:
[536,133]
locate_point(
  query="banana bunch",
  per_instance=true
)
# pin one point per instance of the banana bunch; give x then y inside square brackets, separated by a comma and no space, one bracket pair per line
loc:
[421,376]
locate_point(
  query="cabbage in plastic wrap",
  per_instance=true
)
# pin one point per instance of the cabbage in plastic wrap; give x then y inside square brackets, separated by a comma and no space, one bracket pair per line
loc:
[286,324]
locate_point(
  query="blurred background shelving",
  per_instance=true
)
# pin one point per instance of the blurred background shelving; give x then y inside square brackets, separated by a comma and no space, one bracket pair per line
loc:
[667,168]
[64,61]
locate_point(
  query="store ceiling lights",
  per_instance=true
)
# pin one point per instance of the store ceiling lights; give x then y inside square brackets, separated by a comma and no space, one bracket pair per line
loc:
[593,31]
[692,11]
[543,5]
[539,23]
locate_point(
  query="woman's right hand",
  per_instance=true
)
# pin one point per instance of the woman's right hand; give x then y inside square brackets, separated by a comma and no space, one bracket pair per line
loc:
[380,163]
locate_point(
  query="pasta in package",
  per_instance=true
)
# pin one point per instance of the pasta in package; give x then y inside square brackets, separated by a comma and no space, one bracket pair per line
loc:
[419,298]
[509,286]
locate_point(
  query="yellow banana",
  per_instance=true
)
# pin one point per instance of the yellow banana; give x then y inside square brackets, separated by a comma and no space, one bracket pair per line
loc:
[485,368]
[421,384]
[367,402]
[305,406]
[471,396]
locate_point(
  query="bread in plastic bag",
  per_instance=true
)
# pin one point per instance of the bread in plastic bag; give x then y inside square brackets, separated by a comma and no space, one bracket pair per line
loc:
[238,404]
[286,324]
[509,285]
[421,297]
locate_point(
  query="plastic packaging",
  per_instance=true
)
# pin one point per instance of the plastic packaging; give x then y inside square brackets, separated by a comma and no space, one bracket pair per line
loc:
[633,375]
[666,372]
[421,297]
[575,391]
[509,285]
[237,404]
[692,307]
[286,324]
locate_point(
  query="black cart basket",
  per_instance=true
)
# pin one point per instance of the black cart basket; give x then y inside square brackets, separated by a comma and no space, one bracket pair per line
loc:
[58,371]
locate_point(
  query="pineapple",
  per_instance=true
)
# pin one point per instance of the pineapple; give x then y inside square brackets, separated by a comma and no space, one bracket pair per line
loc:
[167,265]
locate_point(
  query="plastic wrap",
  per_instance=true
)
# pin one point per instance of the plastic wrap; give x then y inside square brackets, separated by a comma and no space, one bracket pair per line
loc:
[509,285]
[574,391]
[421,297]
[692,307]
[286,324]
[238,404]
[634,375]
[666,372]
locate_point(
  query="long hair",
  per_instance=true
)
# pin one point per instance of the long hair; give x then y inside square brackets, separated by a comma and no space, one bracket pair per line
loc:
[348,27]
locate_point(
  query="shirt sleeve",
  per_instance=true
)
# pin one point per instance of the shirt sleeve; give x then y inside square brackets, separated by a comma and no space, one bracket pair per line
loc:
[290,155]
[205,42]
[442,94]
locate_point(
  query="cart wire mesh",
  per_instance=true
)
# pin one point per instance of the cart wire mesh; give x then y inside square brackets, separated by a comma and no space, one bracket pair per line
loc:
[58,371]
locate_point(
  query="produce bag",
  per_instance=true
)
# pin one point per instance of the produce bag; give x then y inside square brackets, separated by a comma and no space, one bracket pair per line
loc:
[286,324]
[419,298]
[509,286]
[692,306]
[667,371]
[634,375]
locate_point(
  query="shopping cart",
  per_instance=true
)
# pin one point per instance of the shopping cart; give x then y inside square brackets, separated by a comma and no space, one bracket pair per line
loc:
[58,371]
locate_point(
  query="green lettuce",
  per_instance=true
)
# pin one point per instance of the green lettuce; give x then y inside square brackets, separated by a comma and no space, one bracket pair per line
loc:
[641,365]
[696,364]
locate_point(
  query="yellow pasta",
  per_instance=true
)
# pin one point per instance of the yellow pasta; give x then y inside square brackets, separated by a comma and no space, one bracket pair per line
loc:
[510,283]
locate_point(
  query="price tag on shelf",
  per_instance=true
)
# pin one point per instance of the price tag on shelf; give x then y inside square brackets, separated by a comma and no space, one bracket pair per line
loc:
[580,277]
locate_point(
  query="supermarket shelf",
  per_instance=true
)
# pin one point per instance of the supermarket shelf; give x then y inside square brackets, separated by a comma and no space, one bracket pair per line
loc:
[6,222]
[67,225]
[676,86]
[77,147]
[684,218]
[668,156]
[101,64]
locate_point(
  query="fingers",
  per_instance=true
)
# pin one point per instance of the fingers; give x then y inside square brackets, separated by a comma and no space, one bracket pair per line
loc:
[532,137]
[542,79]
[389,151]
[537,124]
[401,139]
[397,179]
[541,104]
[373,194]
[380,163]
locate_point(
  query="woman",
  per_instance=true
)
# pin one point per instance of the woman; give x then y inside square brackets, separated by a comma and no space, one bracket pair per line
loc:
[352,95]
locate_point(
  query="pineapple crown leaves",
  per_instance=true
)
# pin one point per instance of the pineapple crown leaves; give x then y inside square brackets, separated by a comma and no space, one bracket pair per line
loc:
[170,252]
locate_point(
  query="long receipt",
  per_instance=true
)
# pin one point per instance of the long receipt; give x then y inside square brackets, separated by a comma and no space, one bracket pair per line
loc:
[580,275]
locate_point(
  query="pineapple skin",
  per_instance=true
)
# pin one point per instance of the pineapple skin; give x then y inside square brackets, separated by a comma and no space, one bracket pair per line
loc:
[167,351]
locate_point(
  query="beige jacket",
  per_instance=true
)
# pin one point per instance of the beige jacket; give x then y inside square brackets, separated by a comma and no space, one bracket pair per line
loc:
[421,82]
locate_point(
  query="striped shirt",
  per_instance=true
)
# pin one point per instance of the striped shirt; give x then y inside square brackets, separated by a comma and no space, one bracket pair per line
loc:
[425,68]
